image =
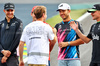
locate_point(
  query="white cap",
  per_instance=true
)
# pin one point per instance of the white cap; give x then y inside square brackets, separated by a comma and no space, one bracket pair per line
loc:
[63,6]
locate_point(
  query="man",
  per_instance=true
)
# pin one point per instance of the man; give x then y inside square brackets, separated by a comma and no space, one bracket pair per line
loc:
[50,44]
[10,33]
[93,35]
[36,35]
[68,41]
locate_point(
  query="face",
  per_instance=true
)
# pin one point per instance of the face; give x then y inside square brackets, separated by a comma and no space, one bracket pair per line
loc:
[64,14]
[9,13]
[96,15]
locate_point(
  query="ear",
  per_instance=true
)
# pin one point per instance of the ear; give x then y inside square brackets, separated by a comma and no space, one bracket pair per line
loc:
[43,14]
[3,10]
[31,13]
[69,11]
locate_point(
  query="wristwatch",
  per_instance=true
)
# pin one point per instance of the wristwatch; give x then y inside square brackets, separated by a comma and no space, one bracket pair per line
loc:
[68,43]
[2,50]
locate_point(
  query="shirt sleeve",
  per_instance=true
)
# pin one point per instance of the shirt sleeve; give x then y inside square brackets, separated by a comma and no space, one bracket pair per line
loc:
[1,48]
[56,26]
[16,40]
[23,36]
[90,33]
[50,33]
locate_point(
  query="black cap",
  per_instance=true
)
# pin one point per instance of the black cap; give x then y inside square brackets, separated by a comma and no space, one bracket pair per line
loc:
[8,6]
[94,8]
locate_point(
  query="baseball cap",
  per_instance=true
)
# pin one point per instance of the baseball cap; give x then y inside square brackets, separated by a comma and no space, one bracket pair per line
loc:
[8,6]
[94,8]
[33,9]
[63,6]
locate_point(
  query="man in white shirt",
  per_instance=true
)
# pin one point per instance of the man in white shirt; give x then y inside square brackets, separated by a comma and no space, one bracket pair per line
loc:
[36,35]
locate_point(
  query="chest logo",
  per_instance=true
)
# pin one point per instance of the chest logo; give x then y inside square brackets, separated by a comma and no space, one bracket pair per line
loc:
[95,37]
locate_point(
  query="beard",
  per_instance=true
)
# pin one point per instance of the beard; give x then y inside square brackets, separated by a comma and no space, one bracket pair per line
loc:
[10,16]
[65,17]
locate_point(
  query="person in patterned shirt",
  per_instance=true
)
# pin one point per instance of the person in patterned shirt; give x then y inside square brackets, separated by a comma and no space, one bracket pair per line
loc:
[68,40]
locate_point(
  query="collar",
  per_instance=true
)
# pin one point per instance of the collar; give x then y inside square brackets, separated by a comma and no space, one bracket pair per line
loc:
[69,21]
[11,19]
[98,22]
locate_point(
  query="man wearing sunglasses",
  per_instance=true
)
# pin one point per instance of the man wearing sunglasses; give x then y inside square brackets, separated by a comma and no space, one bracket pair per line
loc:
[10,33]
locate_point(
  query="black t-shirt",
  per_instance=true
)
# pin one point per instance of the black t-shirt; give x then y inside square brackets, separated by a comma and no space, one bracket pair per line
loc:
[94,34]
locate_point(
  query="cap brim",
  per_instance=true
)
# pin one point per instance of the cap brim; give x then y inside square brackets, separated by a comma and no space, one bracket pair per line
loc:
[9,8]
[91,10]
[61,9]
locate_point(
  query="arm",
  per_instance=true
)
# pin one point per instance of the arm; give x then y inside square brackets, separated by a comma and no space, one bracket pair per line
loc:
[16,40]
[1,48]
[83,37]
[72,43]
[21,46]
[51,45]
[6,53]
[52,42]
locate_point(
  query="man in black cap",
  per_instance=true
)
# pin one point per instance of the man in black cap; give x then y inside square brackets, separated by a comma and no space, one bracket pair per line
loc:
[93,35]
[10,33]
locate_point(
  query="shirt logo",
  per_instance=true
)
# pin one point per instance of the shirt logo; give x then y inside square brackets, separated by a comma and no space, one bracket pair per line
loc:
[2,25]
[99,27]
[61,5]
[94,7]
[13,24]
[95,37]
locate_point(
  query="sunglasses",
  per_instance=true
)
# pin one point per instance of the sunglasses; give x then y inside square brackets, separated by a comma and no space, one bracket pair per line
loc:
[10,10]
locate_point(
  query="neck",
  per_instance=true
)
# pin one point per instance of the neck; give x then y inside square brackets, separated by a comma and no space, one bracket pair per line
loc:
[40,19]
[8,19]
[67,19]
[98,20]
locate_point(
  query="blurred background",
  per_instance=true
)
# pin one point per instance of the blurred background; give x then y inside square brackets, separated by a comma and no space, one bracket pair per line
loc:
[23,11]
[23,7]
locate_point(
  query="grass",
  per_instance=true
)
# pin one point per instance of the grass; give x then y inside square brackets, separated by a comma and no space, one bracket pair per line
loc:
[75,14]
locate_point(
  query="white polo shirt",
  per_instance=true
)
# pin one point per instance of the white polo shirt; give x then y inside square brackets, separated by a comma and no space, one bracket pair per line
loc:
[36,35]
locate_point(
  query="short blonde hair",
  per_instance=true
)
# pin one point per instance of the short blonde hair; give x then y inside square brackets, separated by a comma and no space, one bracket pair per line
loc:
[38,11]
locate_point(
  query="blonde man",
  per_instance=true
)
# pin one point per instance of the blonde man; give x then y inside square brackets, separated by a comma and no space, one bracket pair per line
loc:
[36,35]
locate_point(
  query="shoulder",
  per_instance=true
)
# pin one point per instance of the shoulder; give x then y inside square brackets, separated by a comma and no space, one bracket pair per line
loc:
[76,21]
[46,23]
[2,21]
[93,25]
[79,24]
[58,24]
[29,25]
[18,20]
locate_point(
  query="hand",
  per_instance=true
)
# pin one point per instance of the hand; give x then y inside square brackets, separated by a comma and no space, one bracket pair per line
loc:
[74,25]
[3,60]
[54,30]
[6,53]
[63,44]
[21,63]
